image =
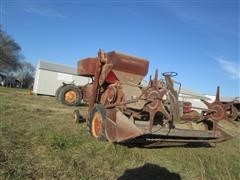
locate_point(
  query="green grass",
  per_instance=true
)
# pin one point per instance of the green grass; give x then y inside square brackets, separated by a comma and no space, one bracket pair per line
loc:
[39,141]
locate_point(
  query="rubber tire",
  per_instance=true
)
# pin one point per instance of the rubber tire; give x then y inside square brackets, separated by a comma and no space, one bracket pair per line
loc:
[58,92]
[67,88]
[77,118]
[102,110]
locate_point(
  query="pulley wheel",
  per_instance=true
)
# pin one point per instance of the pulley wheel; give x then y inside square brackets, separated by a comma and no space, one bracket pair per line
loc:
[219,112]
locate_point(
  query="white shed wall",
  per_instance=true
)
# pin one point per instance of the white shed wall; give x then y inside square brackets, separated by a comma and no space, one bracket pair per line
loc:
[47,82]
[195,102]
[35,84]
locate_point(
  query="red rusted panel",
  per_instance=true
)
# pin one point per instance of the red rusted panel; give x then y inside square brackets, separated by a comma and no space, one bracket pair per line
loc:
[87,92]
[111,78]
[87,67]
[187,107]
[128,63]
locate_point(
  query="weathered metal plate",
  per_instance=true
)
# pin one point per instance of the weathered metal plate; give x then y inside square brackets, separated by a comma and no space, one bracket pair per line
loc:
[111,128]
[125,128]
[128,78]
[130,93]
[127,63]
[87,67]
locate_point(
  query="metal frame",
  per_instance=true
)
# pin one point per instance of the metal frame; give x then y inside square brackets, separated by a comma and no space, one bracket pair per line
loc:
[154,112]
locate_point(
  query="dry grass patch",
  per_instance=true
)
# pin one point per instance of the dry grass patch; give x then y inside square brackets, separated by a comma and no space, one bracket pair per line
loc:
[38,141]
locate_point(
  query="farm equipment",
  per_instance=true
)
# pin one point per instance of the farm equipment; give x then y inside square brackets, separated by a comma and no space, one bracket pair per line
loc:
[227,110]
[71,94]
[121,110]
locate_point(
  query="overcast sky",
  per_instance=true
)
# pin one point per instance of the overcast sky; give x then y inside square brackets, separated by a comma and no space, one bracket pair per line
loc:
[197,39]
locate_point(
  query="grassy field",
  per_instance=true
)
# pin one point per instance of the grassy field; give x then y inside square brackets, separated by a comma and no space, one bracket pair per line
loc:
[39,141]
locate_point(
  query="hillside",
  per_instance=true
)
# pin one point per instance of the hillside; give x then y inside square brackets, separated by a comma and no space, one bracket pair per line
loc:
[39,141]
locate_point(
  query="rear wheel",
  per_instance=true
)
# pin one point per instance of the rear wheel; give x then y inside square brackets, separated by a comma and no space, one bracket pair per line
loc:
[70,95]
[232,113]
[97,122]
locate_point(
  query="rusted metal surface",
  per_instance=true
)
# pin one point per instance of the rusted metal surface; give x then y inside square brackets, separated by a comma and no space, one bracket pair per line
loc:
[191,115]
[173,97]
[87,92]
[222,111]
[128,64]
[231,112]
[87,67]
[133,112]
[187,107]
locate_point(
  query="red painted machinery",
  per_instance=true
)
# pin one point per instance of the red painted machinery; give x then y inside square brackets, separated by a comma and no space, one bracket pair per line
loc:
[121,110]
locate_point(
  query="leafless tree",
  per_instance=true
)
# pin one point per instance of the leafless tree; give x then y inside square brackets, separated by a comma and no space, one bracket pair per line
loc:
[12,63]
[10,53]
[25,74]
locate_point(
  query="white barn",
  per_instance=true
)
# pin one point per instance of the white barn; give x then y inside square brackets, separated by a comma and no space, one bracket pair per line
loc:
[188,95]
[50,76]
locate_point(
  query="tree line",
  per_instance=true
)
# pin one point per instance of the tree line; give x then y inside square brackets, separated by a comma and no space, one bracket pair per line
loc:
[14,70]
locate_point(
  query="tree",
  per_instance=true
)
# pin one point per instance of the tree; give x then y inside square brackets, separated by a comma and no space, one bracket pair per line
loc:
[25,74]
[12,63]
[10,53]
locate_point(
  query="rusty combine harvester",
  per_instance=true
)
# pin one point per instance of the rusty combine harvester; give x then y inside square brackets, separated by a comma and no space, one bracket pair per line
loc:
[121,110]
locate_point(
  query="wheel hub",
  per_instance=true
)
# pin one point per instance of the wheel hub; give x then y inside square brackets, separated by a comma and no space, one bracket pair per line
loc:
[70,96]
[96,125]
[219,113]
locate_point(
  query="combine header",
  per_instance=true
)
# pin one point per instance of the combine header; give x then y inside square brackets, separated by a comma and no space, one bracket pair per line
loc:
[121,110]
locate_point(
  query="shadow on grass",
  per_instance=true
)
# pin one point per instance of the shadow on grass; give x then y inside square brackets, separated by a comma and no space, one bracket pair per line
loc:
[149,172]
[82,104]
[153,146]
[142,143]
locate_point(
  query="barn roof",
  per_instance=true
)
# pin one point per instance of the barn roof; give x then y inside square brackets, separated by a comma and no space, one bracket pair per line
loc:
[49,66]
[224,98]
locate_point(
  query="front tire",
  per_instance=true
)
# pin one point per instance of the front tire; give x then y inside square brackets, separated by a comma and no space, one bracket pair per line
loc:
[97,122]
[77,118]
